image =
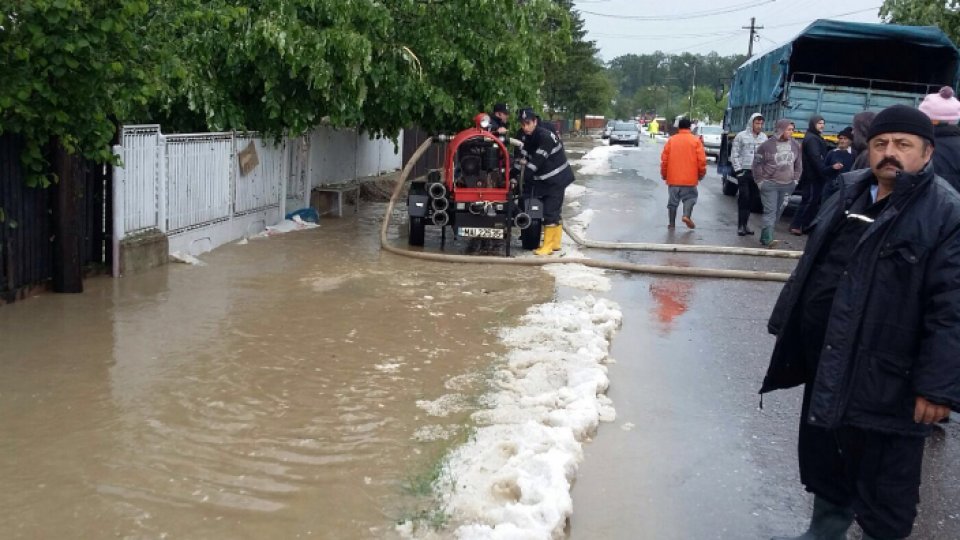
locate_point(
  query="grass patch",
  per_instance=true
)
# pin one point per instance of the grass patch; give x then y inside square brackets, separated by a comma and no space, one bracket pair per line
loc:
[425,486]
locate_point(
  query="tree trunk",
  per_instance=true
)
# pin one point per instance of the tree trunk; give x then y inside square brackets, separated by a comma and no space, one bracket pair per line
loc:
[67,271]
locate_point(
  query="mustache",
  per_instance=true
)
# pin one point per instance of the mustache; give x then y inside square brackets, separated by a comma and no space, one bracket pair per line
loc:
[890,161]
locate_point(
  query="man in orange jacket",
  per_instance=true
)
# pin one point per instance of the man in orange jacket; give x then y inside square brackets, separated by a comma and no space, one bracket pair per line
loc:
[683,164]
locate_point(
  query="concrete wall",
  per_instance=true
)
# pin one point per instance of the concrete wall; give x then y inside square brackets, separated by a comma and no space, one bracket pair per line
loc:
[340,156]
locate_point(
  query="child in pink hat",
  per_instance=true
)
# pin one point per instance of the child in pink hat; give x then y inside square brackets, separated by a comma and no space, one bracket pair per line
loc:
[943,108]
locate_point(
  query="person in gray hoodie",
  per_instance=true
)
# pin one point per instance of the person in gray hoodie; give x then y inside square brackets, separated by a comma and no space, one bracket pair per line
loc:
[777,166]
[742,149]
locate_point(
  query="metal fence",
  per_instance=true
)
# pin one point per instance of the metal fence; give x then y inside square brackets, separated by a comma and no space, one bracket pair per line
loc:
[193,188]
[200,179]
[174,183]
[259,188]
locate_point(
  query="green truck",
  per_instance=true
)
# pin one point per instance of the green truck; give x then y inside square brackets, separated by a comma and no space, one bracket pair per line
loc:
[837,69]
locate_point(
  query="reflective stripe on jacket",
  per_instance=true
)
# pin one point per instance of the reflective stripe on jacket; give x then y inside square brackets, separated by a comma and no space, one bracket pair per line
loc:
[546,158]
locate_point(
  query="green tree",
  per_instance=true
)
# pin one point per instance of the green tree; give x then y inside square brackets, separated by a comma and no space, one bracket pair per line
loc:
[575,80]
[75,69]
[283,66]
[706,106]
[942,13]
[70,69]
[662,83]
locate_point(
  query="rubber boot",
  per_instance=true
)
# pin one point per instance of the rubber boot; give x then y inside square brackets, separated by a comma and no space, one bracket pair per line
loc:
[671,217]
[549,233]
[829,522]
[558,239]
[766,237]
[688,215]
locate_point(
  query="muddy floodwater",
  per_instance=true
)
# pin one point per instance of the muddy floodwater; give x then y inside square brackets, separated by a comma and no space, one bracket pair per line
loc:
[272,393]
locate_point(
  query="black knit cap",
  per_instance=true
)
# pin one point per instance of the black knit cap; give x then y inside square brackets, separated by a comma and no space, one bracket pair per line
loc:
[901,119]
[846,132]
[527,114]
[501,107]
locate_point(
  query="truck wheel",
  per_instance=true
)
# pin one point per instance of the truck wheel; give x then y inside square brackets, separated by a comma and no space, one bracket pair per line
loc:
[416,231]
[530,237]
[729,188]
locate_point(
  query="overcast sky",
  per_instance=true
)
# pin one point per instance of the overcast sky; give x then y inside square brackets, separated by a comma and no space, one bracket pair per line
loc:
[699,26]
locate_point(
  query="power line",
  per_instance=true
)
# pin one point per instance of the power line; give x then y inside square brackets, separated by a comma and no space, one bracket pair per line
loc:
[696,45]
[691,15]
[664,36]
[808,21]
[726,34]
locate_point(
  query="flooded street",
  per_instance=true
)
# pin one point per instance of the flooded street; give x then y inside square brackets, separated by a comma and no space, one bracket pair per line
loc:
[272,393]
[309,385]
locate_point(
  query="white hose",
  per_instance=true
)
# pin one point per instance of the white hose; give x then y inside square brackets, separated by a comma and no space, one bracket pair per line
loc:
[610,265]
[683,248]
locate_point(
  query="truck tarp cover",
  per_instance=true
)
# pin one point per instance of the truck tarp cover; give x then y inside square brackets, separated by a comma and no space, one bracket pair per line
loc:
[891,52]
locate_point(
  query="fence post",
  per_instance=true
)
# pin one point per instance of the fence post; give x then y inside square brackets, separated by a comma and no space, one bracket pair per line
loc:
[356,154]
[234,173]
[67,268]
[119,178]
[162,183]
[284,177]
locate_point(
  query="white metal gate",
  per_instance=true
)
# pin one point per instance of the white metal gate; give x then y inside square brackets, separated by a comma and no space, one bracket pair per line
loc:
[141,189]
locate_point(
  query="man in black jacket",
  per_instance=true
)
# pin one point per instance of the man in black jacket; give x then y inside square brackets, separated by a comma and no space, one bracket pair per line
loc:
[812,180]
[869,322]
[547,174]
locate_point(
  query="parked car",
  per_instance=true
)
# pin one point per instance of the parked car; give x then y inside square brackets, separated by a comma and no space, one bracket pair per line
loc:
[710,135]
[607,130]
[625,133]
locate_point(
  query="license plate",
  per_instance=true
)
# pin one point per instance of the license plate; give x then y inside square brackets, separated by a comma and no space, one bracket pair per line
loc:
[480,232]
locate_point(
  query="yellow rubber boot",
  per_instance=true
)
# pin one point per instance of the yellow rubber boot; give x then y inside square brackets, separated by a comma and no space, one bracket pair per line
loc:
[548,235]
[558,238]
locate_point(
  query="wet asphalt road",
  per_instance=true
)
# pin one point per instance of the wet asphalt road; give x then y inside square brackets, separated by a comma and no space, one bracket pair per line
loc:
[690,454]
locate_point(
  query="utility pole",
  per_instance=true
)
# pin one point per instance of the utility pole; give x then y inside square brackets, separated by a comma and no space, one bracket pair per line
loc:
[753,34]
[693,88]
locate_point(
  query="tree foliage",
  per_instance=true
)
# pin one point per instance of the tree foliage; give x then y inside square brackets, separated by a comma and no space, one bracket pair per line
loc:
[69,67]
[75,69]
[282,66]
[576,81]
[662,84]
[942,13]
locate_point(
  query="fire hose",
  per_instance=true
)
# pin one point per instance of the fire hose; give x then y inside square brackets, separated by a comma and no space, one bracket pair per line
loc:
[608,265]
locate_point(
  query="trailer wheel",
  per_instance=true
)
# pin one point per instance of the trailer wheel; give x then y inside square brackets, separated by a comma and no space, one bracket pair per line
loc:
[416,231]
[729,188]
[530,237]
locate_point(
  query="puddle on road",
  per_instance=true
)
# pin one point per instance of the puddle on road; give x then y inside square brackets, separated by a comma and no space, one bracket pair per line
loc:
[298,386]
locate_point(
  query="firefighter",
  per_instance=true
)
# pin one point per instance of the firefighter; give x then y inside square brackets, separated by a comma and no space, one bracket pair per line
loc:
[499,119]
[548,172]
